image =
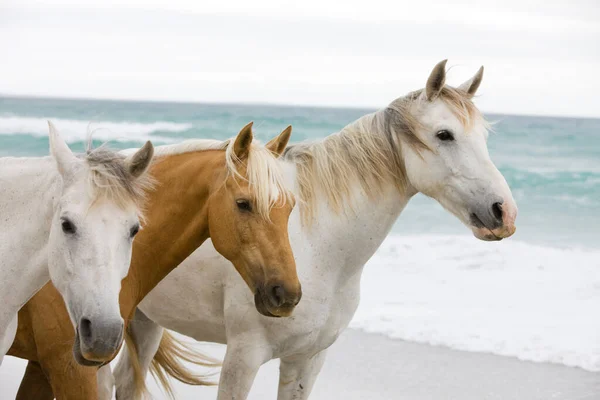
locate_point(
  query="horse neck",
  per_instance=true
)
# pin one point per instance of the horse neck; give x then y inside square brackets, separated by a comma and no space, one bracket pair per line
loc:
[177,221]
[347,238]
[29,189]
[346,242]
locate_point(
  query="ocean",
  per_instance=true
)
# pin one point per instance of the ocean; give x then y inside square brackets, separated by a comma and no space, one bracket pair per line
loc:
[534,296]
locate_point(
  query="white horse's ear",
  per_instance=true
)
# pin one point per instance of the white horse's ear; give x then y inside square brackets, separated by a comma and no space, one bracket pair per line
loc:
[62,154]
[471,86]
[277,144]
[436,80]
[243,141]
[138,163]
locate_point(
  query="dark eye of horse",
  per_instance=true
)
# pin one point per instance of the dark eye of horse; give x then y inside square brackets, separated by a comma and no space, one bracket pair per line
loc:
[134,230]
[445,135]
[243,205]
[68,227]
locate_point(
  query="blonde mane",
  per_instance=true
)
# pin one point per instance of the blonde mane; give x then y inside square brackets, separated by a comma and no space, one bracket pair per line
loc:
[263,173]
[367,153]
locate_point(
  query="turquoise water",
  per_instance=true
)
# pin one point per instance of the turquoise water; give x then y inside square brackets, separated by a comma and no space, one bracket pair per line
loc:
[551,164]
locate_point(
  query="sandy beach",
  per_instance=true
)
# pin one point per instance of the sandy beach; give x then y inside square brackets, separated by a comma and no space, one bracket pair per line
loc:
[367,366]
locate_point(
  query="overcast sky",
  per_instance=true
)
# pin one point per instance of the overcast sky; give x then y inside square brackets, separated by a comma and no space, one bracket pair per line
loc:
[541,56]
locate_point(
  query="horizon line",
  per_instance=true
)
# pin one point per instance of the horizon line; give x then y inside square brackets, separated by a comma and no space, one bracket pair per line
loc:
[259,103]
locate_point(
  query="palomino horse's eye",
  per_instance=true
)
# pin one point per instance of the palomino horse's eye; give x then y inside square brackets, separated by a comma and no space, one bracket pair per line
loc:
[134,230]
[243,205]
[445,135]
[68,227]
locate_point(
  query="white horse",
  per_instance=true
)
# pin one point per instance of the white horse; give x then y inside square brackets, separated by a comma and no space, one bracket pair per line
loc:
[72,220]
[351,188]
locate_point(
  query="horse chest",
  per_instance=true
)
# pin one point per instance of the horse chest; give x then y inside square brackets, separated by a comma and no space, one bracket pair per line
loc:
[317,325]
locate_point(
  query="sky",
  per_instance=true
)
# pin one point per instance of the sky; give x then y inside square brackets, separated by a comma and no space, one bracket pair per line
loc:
[540,57]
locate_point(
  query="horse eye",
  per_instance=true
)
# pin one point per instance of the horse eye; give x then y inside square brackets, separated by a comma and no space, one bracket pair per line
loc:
[68,227]
[134,230]
[445,135]
[243,205]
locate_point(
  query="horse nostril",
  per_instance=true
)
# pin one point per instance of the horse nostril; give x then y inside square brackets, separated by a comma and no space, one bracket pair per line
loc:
[298,299]
[85,328]
[277,296]
[497,211]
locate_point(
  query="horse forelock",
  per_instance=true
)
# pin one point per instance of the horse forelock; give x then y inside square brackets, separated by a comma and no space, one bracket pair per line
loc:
[264,176]
[109,177]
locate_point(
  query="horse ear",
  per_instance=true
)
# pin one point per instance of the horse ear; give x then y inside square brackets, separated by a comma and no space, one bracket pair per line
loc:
[241,146]
[436,80]
[138,163]
[471,86]
[62,154]
[277,144]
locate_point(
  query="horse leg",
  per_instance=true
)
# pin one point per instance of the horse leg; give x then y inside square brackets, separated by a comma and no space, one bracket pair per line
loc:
[240,366]
[35,385]
[8,336]
[297,377]
[69,380]
[66,379]
[146,335]
[106,383]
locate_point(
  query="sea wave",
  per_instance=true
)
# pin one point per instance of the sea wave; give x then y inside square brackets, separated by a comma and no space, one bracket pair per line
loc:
[76,130]
[509,298]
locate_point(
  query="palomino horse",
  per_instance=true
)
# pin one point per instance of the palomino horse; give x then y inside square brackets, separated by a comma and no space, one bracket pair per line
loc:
[232,192]
[351,187]
[70,219]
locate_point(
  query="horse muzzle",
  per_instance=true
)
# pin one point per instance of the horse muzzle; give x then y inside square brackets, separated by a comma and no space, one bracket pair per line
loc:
[97,342]
[277,301]
[493,223]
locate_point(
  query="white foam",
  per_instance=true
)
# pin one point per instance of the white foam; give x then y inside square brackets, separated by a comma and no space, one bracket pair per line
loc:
[508,298]
[76,130]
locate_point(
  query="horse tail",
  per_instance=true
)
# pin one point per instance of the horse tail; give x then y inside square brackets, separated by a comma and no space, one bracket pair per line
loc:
[168,362]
